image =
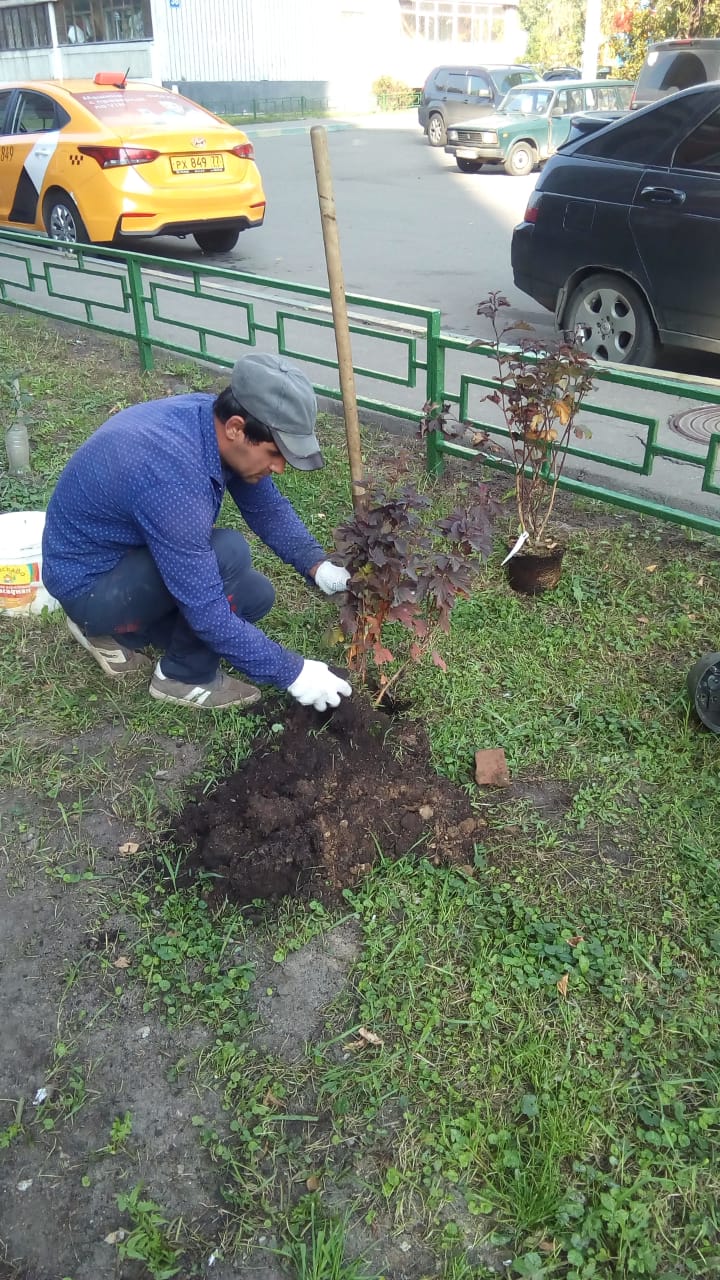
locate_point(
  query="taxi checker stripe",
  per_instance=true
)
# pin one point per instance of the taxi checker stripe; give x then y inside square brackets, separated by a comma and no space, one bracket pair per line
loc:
[31,178]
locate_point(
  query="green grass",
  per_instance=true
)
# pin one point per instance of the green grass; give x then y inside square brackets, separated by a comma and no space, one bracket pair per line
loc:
[548,1089]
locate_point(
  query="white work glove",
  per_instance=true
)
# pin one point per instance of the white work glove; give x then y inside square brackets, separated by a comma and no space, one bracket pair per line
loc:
[317,687]
[331,578]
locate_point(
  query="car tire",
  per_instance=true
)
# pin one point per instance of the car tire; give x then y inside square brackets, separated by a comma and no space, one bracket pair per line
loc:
[62,219]
[611,320]
[436,131]
[468,166]
[521,160]
[217,241]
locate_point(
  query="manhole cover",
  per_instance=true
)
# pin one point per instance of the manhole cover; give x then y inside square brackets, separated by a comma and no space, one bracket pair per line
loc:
[697,424]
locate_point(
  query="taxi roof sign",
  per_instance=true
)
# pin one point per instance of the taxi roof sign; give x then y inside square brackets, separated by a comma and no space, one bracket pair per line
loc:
[116,79]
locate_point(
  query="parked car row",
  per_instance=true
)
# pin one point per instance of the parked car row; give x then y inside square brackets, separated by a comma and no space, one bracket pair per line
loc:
[621,236]
[532,122]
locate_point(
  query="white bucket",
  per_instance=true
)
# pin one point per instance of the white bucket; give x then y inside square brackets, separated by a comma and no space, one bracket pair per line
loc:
[21,585]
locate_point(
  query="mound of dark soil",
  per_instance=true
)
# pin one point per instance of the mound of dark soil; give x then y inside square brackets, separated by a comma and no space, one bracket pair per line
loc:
[315,804]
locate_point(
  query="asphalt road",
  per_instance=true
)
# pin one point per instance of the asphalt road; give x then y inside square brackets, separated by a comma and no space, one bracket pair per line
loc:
[412,227]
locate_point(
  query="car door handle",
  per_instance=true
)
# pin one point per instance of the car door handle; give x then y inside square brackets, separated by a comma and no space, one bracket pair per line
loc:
[663,195]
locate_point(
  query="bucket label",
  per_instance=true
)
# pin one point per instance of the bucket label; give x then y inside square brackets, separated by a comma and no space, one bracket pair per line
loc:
[18,584]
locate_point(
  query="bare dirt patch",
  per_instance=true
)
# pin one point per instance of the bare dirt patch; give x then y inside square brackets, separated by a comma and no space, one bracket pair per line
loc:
[319,800]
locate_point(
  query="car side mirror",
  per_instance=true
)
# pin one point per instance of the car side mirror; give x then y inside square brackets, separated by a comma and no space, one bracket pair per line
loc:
[483,93]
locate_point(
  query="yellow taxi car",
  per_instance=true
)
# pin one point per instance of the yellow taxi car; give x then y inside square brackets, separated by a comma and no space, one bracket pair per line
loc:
[105,161]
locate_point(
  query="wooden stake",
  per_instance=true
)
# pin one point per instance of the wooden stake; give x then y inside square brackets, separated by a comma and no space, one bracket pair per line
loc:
[331,240]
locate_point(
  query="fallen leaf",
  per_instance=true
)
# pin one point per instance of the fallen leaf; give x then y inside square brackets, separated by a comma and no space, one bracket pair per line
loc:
[365,1038]
[641,618]
[650,568]
[575,940]
[271,1101]
[122,962]
[562,984]
[370,1037]
[312,1183]
[466,870]
[701,582]
[127,850]
[116,1237]
[547,1246]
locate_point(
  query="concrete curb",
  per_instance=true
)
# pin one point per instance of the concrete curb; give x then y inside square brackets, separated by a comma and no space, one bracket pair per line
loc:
[258,131]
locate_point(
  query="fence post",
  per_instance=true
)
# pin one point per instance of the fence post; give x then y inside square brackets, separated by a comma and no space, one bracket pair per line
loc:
[142,333]
[435,390]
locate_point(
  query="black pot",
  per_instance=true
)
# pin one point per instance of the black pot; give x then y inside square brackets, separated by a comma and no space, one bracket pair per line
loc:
[704,687]
[532,572]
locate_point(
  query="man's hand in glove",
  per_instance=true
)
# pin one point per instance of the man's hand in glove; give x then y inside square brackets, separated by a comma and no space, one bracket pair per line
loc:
[317,687]
[330,577]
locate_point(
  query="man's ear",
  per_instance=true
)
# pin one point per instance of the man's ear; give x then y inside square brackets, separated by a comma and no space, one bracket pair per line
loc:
[234,427]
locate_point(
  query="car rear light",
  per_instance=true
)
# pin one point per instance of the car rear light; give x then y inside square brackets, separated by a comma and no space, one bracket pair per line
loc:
[118,157]
[244,151]
[533,208]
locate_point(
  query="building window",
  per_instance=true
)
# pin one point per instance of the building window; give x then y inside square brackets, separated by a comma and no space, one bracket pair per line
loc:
[25,27]
[89,21]
[452,20]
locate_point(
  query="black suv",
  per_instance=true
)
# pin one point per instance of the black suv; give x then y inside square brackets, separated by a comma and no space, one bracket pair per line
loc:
[621,236]
[454,94]
[673,65]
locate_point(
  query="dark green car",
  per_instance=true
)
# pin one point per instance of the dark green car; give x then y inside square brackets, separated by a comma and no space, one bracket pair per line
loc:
[532,121]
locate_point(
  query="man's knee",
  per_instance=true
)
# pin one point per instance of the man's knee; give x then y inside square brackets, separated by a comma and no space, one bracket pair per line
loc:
[249,593]
[260,598]
[231,551]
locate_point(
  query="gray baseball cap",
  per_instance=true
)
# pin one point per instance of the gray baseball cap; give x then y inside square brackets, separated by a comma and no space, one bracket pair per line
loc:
[280,396]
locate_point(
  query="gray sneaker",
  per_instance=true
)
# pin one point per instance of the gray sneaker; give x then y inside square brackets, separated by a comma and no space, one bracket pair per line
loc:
[223,691]
[114,659]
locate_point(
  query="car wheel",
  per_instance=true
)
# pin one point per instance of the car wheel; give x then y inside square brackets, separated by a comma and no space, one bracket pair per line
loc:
[521,160]
[62,219]
[611,321]
[468,166]
[437,136]
[217,241]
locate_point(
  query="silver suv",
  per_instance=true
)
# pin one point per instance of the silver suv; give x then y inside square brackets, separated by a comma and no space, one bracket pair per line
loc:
[672,65]
[454,94]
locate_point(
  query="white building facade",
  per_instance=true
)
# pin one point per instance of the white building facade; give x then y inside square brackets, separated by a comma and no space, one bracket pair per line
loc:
[227,52]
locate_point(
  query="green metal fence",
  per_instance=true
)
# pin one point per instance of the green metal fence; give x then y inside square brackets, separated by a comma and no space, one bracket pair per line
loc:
[294,108]
[399,99]
[403,360]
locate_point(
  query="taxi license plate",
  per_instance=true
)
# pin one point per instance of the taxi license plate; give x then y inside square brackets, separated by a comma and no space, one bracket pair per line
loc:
[207,162]
[466,153]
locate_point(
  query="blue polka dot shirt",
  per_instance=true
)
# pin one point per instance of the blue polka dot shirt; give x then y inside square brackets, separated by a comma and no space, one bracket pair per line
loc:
[152,476]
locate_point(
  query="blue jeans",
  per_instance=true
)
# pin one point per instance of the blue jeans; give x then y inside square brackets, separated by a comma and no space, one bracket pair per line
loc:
[132,604]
